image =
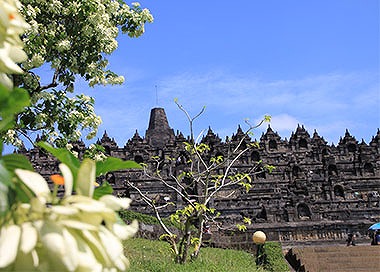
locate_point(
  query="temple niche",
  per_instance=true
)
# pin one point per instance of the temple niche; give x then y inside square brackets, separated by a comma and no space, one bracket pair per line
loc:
[312,181]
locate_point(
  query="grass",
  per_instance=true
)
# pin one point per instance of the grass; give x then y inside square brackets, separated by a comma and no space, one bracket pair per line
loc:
[154,256]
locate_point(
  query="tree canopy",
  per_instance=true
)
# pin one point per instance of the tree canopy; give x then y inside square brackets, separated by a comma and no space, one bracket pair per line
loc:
[74,38]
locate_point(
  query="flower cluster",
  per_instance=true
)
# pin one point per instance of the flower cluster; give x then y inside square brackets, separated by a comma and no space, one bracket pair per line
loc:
[95,152]
[12,25]
[79,48]
[74,116]
[72,50]
[72,233]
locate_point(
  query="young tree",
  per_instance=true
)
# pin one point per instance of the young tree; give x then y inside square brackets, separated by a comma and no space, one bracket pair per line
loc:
[74,38]
[203,177]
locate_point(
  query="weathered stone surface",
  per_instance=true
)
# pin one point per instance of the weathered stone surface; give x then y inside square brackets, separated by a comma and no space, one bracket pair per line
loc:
[317,190]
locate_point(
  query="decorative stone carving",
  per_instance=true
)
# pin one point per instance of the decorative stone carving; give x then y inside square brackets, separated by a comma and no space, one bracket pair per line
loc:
[312,181]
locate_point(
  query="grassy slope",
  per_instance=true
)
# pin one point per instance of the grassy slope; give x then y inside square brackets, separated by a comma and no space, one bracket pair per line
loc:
[147,255]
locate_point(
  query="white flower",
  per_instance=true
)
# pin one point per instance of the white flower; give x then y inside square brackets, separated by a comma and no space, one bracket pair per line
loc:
[9,241]
[100,157]
[77,233]
[8,56]
[12,25]
[36,183]
[63,46]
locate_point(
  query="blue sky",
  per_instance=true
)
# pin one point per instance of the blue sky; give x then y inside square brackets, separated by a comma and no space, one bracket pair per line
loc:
[314,63]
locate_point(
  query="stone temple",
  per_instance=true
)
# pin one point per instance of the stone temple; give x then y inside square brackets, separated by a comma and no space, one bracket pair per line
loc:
[316,192]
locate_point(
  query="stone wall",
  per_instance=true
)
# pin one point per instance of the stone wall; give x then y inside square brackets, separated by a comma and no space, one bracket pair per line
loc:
[316,191]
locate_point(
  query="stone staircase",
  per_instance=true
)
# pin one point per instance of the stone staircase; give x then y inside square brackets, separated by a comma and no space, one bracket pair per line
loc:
[334,258]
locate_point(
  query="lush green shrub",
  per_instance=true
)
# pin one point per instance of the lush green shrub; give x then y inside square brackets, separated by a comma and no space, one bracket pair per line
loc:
[275,260]
[129,216]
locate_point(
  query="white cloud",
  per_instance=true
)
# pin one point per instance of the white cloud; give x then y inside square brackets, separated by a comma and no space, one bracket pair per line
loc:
[315,101]
[328,103]
[284,123]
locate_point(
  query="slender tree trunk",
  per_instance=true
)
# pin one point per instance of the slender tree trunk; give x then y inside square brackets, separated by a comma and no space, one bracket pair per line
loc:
[184,244]
[186,247]
[200,237]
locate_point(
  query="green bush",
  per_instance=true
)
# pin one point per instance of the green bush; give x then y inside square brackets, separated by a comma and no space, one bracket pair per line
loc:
[128,216]
[275,260]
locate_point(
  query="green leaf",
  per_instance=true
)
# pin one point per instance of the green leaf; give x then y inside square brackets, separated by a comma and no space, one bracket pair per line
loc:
[247,220]
[22,193]
[248,178]
[11,103]
[14,161]
[194,241]
[267,118]
[241,227]
[104,189]
[19,192]
[270,168]
[114,164]
[4,202]
[6,122]
[5,177]
[64,156]
[19,98]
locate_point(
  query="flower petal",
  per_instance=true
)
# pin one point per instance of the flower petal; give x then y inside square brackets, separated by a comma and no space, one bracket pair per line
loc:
[71,259]
[9,241]
[94,207]
[28,237]
[68,176]
[35,182]
[77,225]
[86,178]
[17,55]
[53,238]
[97,247]
[111,243]
[115,203]
[122,263]
[64,210]
[6,81]
[87,260]
[124,231]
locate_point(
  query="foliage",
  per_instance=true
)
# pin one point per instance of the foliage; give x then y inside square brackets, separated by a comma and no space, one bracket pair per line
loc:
[129,216]
[275,260]
[39,229]
[12,100]
[74,39]
[102,167]
[147,255]
[12,25]
[44,231]
[94,151]
[197,183]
